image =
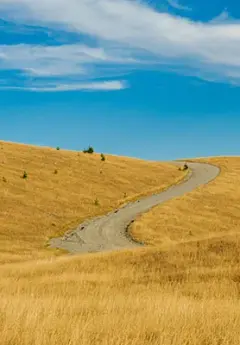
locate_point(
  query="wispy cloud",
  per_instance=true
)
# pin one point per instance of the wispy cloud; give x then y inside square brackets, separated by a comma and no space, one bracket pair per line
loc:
[176,4]
[53,60]
[128,34]
[91,86]
[68,67]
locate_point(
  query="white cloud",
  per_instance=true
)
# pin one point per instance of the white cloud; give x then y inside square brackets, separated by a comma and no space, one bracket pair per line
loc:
[49,61]
[65,60]
[93,86]
[176,4]
[128,32]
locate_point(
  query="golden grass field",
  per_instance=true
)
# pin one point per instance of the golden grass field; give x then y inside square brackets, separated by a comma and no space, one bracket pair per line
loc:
[181,290]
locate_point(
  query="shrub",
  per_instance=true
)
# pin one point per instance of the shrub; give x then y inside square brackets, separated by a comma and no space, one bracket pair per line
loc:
[103,158]
[55,171]
[58,148]
[90,150]
[183,168]
[25,175]
[96,202]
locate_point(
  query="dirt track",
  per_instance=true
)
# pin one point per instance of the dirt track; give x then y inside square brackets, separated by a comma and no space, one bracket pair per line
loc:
[109,232]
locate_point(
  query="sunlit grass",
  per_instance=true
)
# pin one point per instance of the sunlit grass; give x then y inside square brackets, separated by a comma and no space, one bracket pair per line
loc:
[181,290]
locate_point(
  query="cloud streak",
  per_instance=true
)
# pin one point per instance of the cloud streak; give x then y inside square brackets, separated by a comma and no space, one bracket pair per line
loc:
[178,6]
[64,65]
[93,86]
[57,60]
[128,33]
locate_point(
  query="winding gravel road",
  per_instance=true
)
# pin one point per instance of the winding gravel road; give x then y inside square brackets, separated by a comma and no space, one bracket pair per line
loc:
[109,232]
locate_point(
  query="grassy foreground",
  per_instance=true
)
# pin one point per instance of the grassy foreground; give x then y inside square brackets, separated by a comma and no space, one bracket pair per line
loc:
[130,298]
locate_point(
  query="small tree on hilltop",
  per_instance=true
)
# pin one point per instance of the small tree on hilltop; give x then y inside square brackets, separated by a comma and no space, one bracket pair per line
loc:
[90,150]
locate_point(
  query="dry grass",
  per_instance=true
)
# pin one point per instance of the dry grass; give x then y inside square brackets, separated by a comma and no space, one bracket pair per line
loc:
[130,298]
[180,291]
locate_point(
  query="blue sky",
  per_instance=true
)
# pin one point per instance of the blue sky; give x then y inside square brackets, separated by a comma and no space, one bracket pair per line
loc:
[152,79]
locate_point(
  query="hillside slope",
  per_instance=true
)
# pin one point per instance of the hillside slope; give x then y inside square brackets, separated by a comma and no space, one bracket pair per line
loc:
[209,213]
[62,189]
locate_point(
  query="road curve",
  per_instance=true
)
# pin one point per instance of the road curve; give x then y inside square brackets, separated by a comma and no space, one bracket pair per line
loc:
[109,232]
